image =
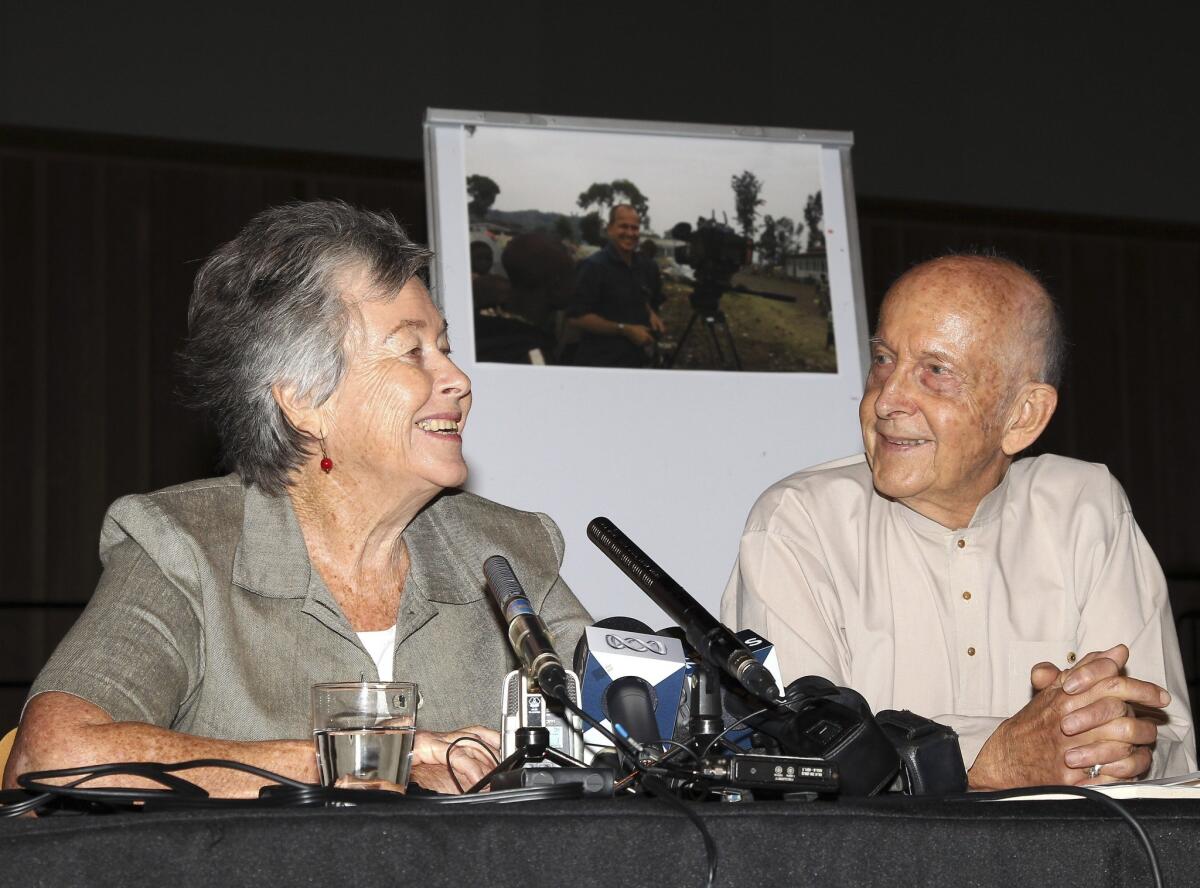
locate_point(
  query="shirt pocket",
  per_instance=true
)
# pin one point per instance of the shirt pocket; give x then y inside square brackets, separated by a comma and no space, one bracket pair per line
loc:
[1022,655]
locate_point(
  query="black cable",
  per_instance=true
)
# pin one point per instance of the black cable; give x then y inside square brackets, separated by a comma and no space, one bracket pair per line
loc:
[450,749]
[657,788]
[519,794]
[682,747]
[177,791]
[660,790]
[624,748]
[1086,793]
[783,701]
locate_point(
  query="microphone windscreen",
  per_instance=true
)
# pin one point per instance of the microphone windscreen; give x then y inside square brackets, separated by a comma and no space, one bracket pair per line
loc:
[630,702]
[624,624]
[579,661]
[501,579]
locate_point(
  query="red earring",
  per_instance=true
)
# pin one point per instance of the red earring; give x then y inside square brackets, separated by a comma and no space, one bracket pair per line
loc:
[326,462]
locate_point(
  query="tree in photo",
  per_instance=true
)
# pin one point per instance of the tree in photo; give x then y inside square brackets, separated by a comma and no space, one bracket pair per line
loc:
[609,194]
[785,235]
[780,241]
[814,216]
[634,197]
[599,194]
[563,229]
[746,190]
[768,243]
[482,192]
[591,229]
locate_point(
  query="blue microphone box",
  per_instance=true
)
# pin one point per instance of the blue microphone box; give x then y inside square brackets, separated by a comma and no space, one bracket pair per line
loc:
[613,654]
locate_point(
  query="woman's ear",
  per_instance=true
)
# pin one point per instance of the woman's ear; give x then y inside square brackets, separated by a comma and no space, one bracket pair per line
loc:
[1031,412]
[300,413]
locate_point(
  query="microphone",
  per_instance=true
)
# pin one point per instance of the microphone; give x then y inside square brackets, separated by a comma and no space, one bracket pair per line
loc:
[526,632]
[630,704]
[714,642]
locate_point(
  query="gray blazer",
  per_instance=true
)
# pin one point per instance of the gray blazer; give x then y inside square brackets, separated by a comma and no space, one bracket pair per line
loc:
[210,619]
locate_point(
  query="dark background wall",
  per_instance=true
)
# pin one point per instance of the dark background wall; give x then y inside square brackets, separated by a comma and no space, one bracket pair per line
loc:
[134,140]
[1068,107]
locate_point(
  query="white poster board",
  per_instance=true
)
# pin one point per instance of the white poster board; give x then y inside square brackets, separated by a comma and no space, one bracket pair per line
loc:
[675,458]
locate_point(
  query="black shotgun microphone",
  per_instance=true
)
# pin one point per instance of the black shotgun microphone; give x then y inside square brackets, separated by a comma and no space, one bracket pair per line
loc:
[711,639]
[526,632]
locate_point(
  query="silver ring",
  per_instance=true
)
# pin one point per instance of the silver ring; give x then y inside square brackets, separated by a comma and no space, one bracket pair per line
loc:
[1094,771]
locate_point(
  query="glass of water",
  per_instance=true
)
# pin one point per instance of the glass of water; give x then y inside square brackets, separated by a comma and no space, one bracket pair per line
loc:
[364,731]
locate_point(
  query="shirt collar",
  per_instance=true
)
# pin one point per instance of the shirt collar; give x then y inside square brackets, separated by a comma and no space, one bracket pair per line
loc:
[271,558]
[989,509]
[610,251]
[431,573]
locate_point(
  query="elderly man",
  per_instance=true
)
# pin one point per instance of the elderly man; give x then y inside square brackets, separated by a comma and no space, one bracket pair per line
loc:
[616,293]
[1013,601]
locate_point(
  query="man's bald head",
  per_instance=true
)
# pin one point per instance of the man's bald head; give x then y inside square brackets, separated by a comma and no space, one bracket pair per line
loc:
[964,364]
[623,209]
[1027,327]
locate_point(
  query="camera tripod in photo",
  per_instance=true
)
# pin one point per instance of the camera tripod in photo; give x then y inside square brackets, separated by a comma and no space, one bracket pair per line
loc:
[706,307]
[715,252]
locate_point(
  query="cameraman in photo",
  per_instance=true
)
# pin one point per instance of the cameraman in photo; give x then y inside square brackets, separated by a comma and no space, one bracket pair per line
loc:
[616,290]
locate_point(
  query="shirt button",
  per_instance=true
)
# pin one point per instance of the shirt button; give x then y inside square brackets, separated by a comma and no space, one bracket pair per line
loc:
[962,544]
[966,596]
[1071,657]
[970,652]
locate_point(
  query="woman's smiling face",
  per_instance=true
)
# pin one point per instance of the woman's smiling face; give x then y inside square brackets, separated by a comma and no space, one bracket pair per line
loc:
[399,412]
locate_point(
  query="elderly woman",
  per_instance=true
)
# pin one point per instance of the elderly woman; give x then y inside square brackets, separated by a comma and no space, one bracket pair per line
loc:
[337,548]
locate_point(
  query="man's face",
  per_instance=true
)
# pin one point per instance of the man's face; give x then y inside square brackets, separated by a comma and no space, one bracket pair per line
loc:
[624,229]
[932,413]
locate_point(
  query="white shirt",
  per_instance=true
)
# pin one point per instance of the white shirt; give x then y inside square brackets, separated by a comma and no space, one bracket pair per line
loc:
[381,645]
[947,623]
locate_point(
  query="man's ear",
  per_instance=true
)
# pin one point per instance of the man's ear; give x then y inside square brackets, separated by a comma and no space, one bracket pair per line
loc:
[299,412]
[1031,412]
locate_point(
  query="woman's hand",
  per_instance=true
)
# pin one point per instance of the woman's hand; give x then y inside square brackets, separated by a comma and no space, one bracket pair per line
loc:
[469,758]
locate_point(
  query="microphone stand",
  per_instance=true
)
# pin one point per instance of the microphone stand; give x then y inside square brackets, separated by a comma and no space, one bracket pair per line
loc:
[533,747]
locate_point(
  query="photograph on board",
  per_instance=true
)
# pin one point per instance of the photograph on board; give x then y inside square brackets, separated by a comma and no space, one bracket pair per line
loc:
[609,249]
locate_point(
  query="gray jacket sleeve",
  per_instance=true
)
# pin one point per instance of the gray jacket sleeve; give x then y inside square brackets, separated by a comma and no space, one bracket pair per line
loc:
[136,650]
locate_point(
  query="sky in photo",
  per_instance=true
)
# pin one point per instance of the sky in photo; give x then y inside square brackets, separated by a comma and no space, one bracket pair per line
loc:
[681,177]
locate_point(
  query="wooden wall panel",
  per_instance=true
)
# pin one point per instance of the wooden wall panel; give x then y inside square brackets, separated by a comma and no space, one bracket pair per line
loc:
[100,240]
[18,297]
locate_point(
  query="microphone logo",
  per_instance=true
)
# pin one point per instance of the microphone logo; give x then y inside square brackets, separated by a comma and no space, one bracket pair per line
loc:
[648,646]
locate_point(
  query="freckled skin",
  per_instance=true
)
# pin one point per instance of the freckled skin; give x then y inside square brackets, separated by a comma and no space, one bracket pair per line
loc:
[393,379]
[941,370]
[385,468]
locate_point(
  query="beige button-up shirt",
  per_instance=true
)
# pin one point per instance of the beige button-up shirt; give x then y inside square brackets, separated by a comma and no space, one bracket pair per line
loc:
[947,623]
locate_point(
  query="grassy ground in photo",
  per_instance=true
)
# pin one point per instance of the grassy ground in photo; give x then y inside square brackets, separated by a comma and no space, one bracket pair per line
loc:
[786,334]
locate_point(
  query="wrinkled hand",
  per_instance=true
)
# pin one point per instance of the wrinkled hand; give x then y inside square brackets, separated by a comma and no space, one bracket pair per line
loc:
[1078,717]
[469,760]
[639,335]
[656,323]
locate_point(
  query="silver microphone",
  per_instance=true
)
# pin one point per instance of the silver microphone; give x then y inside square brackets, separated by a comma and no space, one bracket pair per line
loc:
[526,632]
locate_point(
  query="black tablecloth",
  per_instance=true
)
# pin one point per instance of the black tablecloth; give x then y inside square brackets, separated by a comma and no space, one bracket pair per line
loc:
[894,841]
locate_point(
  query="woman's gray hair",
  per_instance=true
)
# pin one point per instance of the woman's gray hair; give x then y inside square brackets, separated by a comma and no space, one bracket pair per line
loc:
[267,311]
